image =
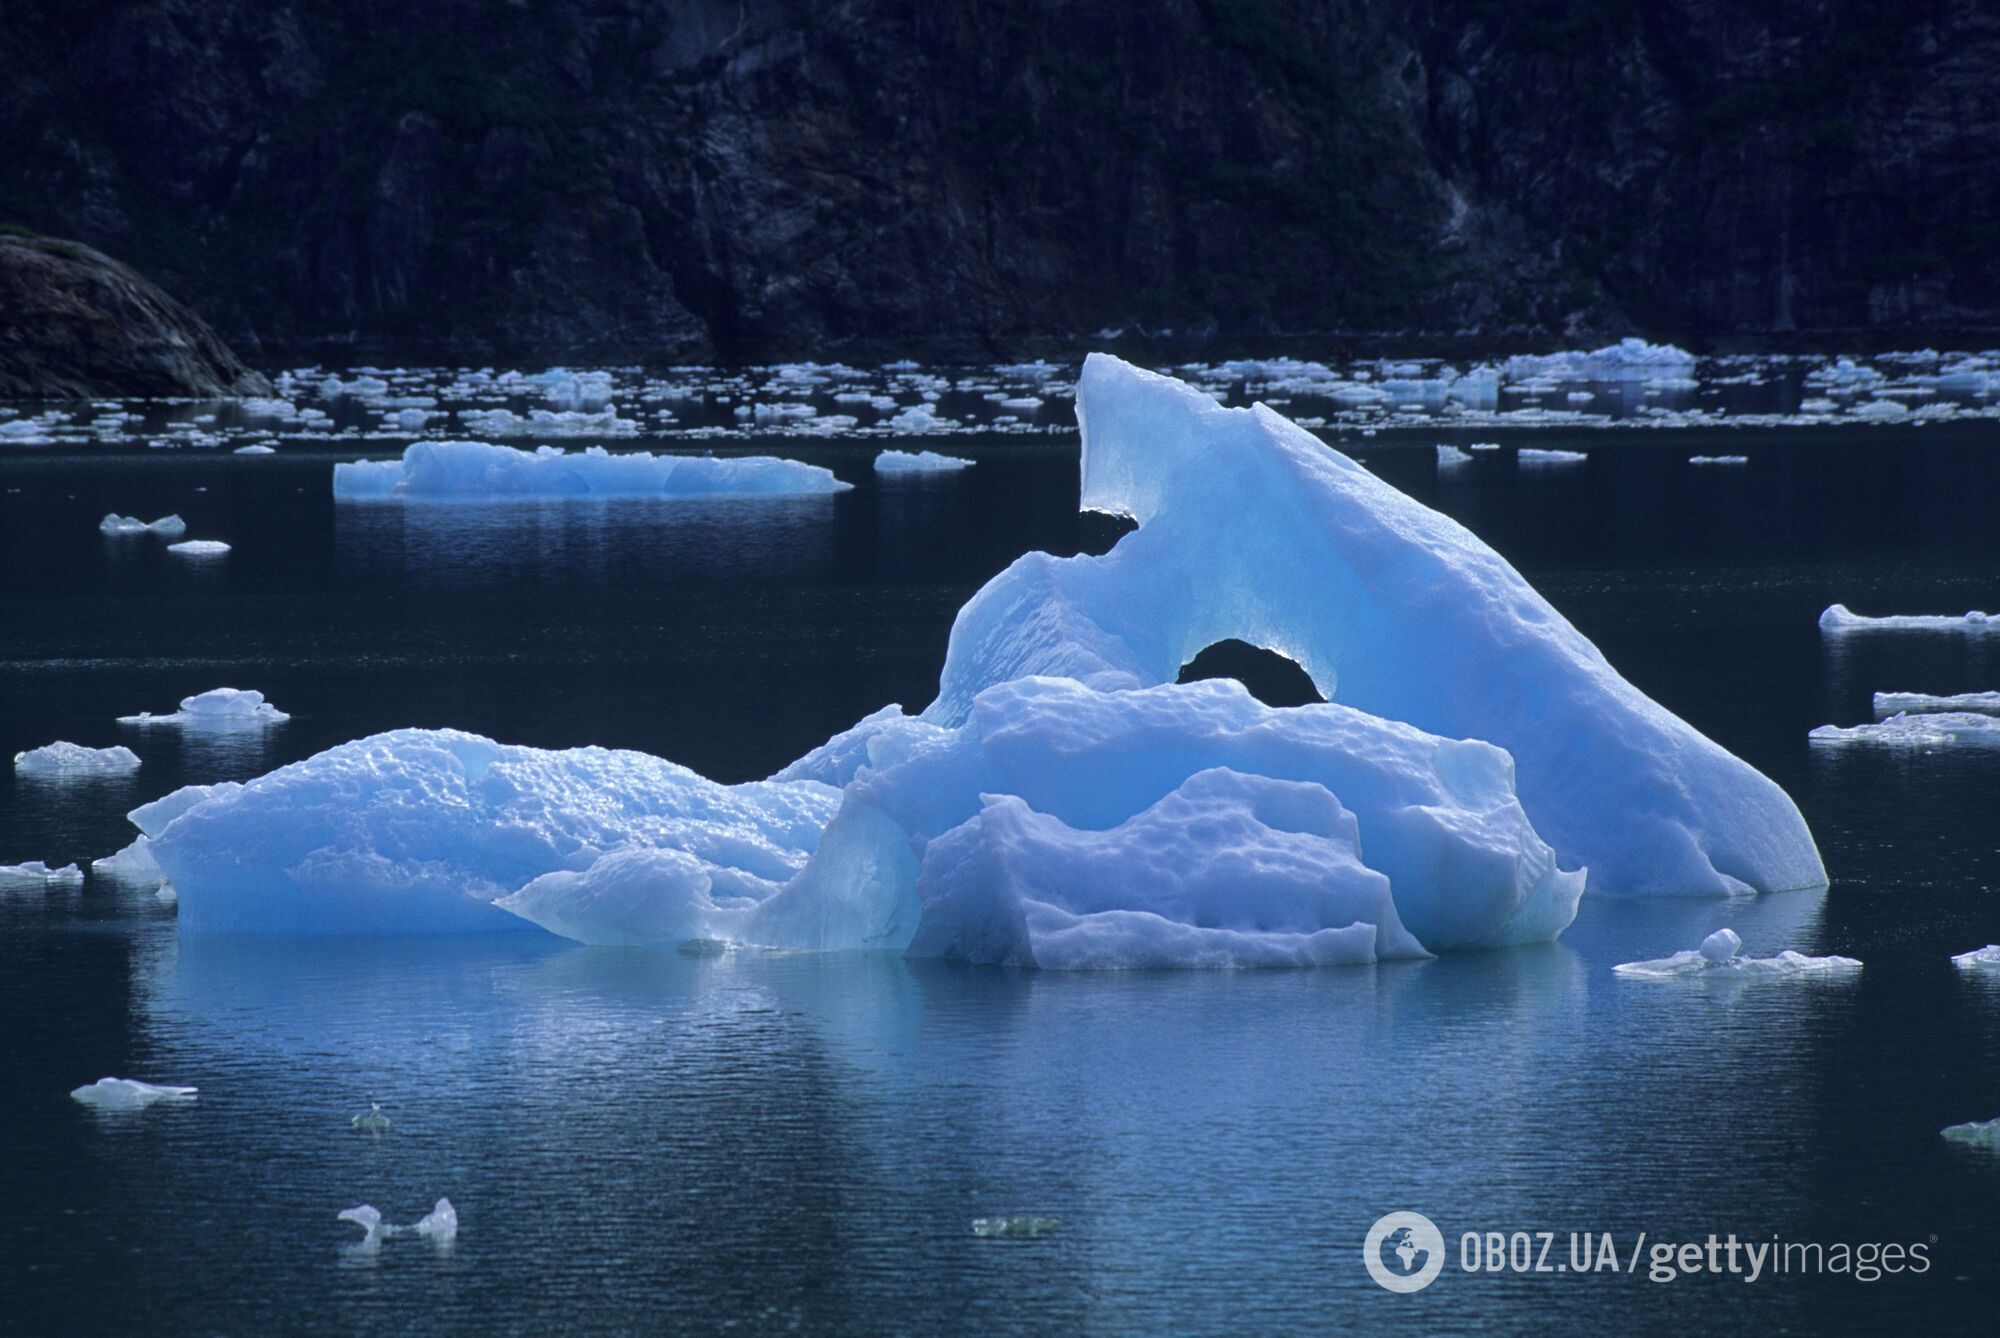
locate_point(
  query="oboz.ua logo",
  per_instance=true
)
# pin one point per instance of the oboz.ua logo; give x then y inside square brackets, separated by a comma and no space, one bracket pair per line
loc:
[1404,1252]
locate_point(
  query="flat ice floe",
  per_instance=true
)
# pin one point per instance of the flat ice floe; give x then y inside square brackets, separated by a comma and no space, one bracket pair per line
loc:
[1064,802]
[1923,730]
[1718,459]
[1980,1133]
[1838,618]
[1529,455]
[1626,360]
[36,874]
[218,708]
[1915,703]
[118,525]
[199,548]
[1979,959]
[473,470]
[128,1094]
[919,462]
[1719,956]
[62,758]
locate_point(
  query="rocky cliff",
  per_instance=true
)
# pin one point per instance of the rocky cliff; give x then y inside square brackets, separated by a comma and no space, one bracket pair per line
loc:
[75,323]
[796,176]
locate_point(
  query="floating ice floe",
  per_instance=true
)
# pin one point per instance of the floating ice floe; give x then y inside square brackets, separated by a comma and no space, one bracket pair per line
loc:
[1980,1133]
[1922,730]
[1529,455]
[1718,459]
[1720,954]
[1064,802]
[218,708]
[1626,360]
[256,448]
[1979,959]
[133,864]
[62,758]
[440,1224]
[115,524]
[472,470]
[36,874]
[1839,618]
[919,462]
[1897,703]
[372,1120]
[198,548]
[128,1094]
[1451,457]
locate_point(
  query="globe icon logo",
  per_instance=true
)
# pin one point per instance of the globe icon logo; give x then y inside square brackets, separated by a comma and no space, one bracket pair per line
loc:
[1403,1252]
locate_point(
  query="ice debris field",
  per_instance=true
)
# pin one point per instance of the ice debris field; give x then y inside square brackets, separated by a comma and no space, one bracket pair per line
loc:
[1631,384]
[1475,768]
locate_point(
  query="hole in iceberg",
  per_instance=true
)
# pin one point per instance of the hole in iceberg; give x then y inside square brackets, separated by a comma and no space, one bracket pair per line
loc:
[1270,677]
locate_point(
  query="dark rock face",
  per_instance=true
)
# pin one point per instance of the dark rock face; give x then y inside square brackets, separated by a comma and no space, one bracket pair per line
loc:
[74,323]
[791,176]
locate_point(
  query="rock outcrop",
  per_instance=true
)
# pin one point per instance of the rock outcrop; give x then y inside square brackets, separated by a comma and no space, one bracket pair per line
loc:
[75,323]
[790,177]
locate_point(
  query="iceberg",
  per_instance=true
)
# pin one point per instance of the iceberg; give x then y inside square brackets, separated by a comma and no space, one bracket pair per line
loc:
[1838,619]
[128,1094]
[1924,730]
[1063,802]
[440,1224]
[1530,455]
[1718,459]
[372,1120]
[475,470]
[36,874]
[1626,360]
[1980,1133]
[1918,703]
[1391,608]
[1451,457]
[199,548]
[420,831]
[1719,956]
[1979,959]
[115,524]
[74,760]
[919,462]
[217,708]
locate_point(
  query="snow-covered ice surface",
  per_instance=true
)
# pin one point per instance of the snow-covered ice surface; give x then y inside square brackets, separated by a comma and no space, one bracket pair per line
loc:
[1719,956]
[218,708]
[919,462]
[128,1094]
[1939,729]
[1064,802]
[1838,620]
[474,470]
[1897,703]
[64,759]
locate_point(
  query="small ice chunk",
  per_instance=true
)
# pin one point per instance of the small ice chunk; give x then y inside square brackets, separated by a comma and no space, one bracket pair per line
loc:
[1979,959]
[440,1223]
[35,873]
[133,864]
[1720,946]
[1530,455]
[368,1217]
[372,1120]
[223,707]
[1450,457]
[919,462]
[73,759]
[1019,1225]
[199,548]
[1718,956]
[1921,703]
[1839,618]
[1923,730]
[1981,1133]
[256,449]
[1718,459]
[128,1094]
[123,525]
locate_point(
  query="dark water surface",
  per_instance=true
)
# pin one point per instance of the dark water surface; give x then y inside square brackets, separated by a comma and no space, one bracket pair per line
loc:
[645,1141]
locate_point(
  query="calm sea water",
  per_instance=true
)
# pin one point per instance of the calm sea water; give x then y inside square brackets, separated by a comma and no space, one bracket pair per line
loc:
[644,1141]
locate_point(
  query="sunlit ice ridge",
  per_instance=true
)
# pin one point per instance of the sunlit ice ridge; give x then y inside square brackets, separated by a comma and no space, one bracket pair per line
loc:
[1477,765]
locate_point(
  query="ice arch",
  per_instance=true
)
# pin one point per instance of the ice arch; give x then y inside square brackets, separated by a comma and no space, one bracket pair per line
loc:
[1251,528]
[1270,677]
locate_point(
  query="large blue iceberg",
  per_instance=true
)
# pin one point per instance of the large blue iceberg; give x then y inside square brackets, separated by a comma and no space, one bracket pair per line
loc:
[1064,802]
